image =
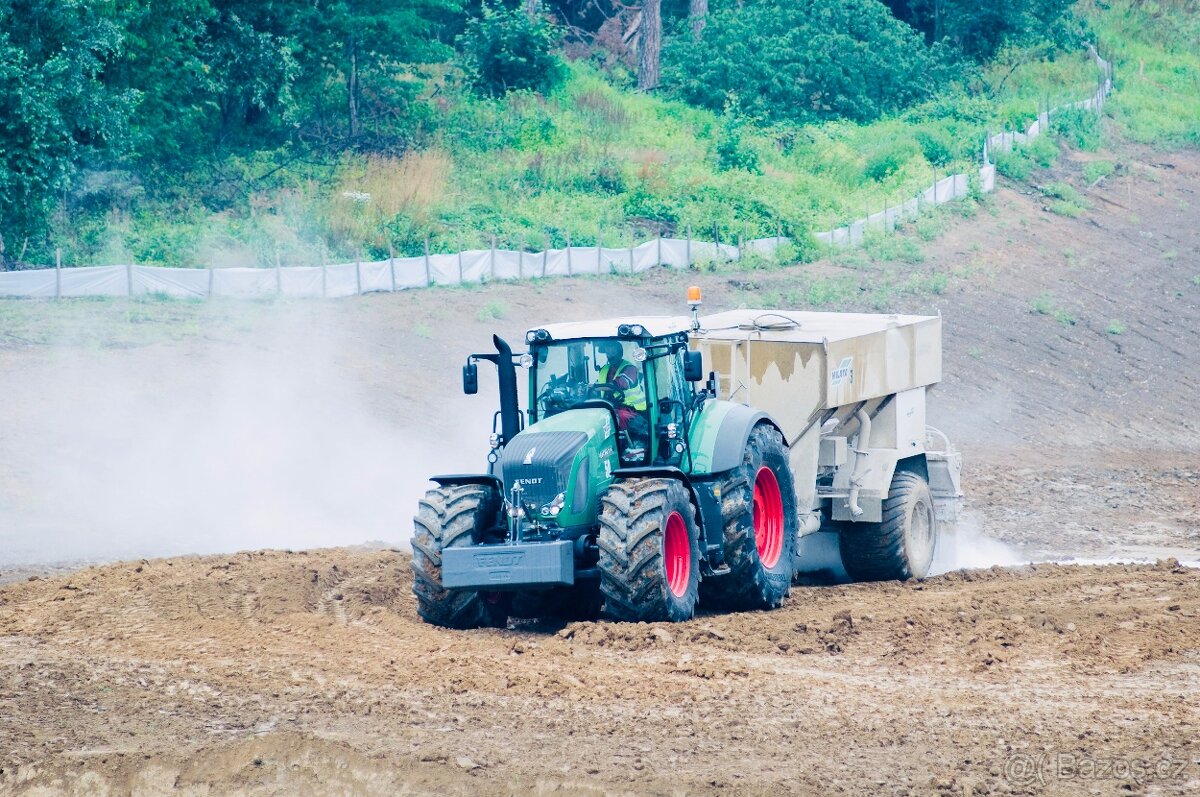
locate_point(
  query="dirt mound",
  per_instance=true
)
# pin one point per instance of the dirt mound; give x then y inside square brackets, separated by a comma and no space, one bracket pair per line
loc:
[275,673]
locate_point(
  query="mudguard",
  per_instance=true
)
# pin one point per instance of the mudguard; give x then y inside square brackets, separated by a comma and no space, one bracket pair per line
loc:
[732,436]
[708,505]
[485,479]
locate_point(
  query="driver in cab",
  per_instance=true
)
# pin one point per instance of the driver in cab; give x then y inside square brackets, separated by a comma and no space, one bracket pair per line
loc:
[620,382]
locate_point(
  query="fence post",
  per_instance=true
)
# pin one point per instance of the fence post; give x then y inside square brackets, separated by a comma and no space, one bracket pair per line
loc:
[129,278]
[658,254]
[570,271]
[545,255]
[687,251]
[211,274]
[460,265]
[492,259]
[739,248]
[428,273]
[57,273]
[357,276]
[324,274]
[278,275]
[631,239]
[392,264]
[599,252]
[521,256]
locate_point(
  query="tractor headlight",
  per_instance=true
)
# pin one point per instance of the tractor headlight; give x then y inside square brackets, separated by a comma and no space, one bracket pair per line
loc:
[630,331]
[554,507]
[639,354]
[526,360]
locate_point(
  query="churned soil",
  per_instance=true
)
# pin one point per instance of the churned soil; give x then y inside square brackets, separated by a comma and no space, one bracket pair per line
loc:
[275,673]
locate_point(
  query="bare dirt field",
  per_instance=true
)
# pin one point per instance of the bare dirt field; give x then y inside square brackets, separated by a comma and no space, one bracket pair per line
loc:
[1072,375]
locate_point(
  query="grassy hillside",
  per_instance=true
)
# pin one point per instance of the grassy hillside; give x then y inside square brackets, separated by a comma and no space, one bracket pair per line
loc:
[590,160]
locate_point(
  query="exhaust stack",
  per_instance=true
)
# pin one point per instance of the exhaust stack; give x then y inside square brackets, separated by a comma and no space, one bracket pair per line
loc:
[506,372]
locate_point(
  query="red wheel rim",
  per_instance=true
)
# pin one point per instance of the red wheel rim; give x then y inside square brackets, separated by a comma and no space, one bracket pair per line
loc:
[768,517]
[677,555]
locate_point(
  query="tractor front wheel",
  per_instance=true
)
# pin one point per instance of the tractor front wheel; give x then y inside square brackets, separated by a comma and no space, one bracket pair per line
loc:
[452,517]
[649,551]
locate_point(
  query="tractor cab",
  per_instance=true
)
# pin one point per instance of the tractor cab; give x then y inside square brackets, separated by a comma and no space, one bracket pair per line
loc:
[636,371]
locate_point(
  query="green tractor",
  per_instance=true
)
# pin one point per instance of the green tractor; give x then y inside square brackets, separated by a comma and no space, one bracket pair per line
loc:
[645,506]
[630,486]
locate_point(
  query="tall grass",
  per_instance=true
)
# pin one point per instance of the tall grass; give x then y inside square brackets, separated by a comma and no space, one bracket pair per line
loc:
[1156,46]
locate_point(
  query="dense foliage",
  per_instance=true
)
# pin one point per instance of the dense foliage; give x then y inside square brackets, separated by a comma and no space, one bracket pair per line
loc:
[507,49]
[804,61]
[170,130]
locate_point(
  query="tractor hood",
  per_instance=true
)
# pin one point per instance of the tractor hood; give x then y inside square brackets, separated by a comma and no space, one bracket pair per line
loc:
[558,467]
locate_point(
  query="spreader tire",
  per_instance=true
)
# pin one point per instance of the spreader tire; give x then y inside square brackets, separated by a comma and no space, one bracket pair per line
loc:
[649,551]
[758,511]
[902,546]
[451,517]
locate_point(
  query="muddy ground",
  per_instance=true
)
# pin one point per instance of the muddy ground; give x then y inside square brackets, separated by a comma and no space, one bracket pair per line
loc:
[1072,376]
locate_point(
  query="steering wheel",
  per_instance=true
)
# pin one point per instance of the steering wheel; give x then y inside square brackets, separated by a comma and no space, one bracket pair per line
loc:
[606,393]
[559,395]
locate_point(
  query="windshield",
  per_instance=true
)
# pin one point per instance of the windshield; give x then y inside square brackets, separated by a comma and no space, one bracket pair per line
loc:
[572,371]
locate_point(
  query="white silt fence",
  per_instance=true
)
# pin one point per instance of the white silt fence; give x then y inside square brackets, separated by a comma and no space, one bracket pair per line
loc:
[351,279]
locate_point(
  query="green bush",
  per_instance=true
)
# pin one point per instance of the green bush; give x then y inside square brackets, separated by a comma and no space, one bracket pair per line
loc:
[1097,170]
[1014,165]
[733,152]
[504,49]
[936,145]
[803,60]
[1079,128]
[889,158]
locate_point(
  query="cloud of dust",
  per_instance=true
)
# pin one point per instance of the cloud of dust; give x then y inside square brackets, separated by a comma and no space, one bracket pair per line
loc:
[970,548]
[276,441]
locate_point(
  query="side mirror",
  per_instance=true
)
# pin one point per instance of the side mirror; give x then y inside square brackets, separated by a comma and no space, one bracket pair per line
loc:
[693,366]
[470,379]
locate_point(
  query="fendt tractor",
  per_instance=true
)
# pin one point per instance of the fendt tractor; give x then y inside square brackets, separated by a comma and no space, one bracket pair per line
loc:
[635,484]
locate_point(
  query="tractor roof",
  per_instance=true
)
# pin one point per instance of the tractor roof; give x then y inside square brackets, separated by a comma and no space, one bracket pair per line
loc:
[656,326]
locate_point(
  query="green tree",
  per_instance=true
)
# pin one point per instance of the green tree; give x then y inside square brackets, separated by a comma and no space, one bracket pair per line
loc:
[980,30]
[54,107]
[364,53]
[504,49]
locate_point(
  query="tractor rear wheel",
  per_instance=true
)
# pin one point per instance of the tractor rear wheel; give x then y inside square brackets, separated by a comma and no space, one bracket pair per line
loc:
[452,517]
[649,551]
[902,546]
[758,510]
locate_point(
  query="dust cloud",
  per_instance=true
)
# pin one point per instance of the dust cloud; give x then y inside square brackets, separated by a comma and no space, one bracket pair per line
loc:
[276,441]
[969,547]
